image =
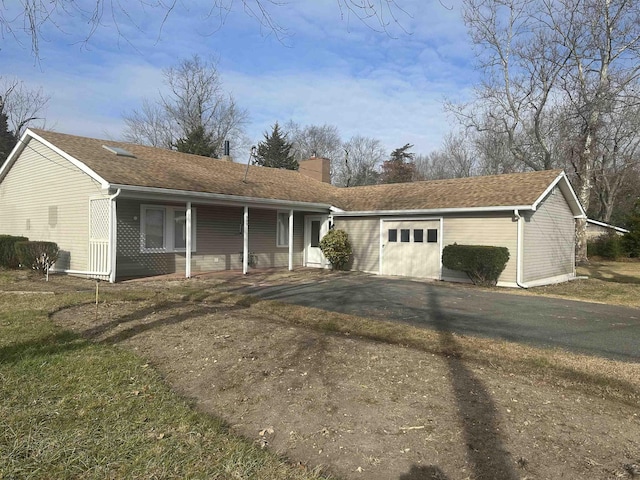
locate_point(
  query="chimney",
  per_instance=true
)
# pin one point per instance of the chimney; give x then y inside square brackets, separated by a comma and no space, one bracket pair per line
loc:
[227,156]
[317,168]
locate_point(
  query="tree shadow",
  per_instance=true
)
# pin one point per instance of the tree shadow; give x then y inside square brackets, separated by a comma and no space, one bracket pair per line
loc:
[49,345]
[421,472]
[478,413]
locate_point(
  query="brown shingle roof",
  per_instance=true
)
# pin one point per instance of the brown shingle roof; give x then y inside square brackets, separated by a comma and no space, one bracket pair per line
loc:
[155,167]
[516,189]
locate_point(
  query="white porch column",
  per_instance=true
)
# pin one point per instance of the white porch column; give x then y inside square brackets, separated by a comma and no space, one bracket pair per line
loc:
[113,239]
[290,240]
[188,243]
[245,247]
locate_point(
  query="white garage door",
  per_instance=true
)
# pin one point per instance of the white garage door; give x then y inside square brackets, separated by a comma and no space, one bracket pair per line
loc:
[411,248]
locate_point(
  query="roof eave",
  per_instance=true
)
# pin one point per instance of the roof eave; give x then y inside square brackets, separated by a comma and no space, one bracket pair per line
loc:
[572,199]
[167,194]
[432,211]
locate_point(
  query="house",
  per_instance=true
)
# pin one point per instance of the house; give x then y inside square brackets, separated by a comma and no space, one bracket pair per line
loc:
[120,210]
[597,229]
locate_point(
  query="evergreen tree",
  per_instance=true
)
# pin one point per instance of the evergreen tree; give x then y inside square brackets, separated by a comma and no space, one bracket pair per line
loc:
[275,151]
[7,138]
[400,167]
[197,142]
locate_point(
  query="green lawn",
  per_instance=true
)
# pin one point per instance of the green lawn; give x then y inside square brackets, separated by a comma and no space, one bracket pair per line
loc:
[73,409]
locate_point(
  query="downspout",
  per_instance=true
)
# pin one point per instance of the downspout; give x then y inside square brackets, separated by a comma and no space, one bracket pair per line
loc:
[112,248]
[519,248]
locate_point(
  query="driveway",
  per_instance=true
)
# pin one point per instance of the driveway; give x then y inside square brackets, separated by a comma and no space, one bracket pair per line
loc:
[595,329]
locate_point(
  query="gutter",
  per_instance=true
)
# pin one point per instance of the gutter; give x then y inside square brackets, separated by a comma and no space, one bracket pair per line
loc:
[111,255]
[432,211]
[519,248]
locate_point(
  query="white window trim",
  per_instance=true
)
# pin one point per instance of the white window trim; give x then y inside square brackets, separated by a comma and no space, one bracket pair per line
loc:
[286,226]
[169,225]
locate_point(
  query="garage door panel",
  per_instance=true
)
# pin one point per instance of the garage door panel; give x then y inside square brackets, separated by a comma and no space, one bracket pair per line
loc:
[411,248]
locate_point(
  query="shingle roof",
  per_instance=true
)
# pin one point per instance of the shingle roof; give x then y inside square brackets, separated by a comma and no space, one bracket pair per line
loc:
[155,167]
[516,189]
[161,168]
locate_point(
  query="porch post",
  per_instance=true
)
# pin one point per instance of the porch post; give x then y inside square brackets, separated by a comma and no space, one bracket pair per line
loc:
[290,240]
[113,240]
[188,243]
[245,247]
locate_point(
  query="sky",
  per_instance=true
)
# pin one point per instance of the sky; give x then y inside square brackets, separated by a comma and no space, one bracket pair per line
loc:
[328,67]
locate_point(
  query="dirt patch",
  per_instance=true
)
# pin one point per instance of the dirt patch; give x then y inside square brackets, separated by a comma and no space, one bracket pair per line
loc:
[365,409]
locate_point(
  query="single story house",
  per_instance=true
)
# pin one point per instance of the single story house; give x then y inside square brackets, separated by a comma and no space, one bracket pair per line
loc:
[119,210]
[597,229]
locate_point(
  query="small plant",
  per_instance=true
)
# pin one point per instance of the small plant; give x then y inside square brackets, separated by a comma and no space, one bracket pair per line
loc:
[482,264]
[39,256]
[336,248]
[8,257]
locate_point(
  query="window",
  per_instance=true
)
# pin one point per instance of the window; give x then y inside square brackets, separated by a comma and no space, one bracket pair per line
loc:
[393,235]
[282,233]
[164,229]
[404,235]
[418,235]
[315,233]
[432,235]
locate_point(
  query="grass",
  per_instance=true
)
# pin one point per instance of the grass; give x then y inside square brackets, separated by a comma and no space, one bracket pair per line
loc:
[73,409]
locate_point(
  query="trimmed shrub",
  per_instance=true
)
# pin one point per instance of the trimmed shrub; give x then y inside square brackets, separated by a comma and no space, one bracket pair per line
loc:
[606,246]
[8,257]
[39,256]
[336,247]
[482,264]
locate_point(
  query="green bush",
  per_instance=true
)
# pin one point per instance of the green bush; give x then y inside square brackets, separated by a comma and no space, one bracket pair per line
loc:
[631,240]
[8,257]
[336,248]
[482,264]
[39,256]
[606,246]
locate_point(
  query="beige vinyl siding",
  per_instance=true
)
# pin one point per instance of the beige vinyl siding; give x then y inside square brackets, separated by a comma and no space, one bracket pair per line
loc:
[364,236]
[44,197]
[549,239]
[498,230]
[219,241]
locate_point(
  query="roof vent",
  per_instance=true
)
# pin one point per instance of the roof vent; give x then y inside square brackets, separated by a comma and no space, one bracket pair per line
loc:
[121,152]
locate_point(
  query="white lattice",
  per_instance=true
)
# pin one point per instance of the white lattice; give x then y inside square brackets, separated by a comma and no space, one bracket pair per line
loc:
[100,216]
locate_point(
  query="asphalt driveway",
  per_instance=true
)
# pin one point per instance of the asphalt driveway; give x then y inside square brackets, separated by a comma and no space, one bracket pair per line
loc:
[595,329]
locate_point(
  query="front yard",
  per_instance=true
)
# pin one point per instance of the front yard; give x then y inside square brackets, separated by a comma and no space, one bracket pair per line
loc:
[180,379]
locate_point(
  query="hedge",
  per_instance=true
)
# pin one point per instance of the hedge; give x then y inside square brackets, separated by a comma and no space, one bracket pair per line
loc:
[8,256]
[482,264]
[39,256]
[608,246]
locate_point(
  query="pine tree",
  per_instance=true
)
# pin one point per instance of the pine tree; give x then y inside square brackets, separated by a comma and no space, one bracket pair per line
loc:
[197,142]
[400,167]
[275,151]
[7,138]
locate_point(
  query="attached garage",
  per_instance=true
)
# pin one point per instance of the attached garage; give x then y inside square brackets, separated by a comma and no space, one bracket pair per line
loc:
[411,247]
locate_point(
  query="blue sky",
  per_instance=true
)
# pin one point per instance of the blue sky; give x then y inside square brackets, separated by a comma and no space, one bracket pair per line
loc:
[329,69]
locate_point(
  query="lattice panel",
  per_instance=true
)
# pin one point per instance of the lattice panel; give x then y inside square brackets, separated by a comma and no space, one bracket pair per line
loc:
[100,216]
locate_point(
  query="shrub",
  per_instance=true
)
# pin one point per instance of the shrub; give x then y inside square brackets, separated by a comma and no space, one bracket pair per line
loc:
[631,240]
[482,264]
[606,246]
[8,257]
[39,256]
[336,247]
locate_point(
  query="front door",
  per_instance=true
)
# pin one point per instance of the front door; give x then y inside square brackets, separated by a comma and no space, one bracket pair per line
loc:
[315,227]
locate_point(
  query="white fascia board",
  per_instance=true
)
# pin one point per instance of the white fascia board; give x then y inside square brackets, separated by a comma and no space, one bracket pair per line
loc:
[166,194]
[74,161]
[607,225]
[567,190]
[15,152]
[433,211]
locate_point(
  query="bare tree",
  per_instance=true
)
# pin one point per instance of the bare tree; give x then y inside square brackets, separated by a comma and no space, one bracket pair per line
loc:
[319,140]
[195,101]
[26,20]
[360,162]
[455,159]
[551,67]
[22,105]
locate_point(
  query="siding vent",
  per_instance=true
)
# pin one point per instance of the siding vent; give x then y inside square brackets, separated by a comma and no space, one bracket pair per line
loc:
[121,152]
